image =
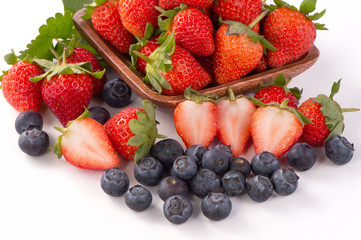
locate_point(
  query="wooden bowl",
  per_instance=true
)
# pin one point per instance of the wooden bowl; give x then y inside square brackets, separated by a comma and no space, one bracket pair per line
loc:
[121,63]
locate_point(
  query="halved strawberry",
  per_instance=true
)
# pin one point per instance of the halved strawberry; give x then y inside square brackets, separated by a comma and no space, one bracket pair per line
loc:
[234,121]
[275,128]
[196,119]
[85,144]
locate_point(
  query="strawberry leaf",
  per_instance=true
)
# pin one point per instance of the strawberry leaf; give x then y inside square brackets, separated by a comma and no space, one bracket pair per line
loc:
[308,6]
[74,6]
[317,16]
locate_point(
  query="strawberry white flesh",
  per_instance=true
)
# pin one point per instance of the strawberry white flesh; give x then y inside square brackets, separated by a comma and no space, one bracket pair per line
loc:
[274,130]
[234,123]
[85,144]
[196,123]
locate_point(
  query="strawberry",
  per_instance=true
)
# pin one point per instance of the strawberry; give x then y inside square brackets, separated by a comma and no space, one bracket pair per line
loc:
[135,15]
[17,89]
[276,127]
[238,50]
[171,69]
[291,31]
[80,55]
[146,50]
[326,114]
[193,30]
[107,23]
[262,65]
[195,119]
[67,88]
[133,131]
[170,4]
[278,92]
[85,144]
[234,122]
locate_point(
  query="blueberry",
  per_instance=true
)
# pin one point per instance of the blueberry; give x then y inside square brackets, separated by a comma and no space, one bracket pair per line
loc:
[28,119]
[167,151]
[265,163]
[203,182]
[259,188]
[177,209]
[285,181]
[117,93]
[99,114]
[184,167]
[114,182]
[233,183]
[240,164]
[339,150]
[215,160]
[226,149]
[148,171]
[301,156]
[216,206]
[171,185]
[34,142]
[138,198]
[197,152]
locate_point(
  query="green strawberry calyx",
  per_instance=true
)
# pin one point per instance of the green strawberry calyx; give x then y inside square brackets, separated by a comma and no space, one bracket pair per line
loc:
[194,95]
[145,130]
[231,97]
[332,111]
[89,8]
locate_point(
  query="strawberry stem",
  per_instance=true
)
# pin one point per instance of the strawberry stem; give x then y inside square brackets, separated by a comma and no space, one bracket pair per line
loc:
[147,59]
[259,18]
[60,129]
[231,95]
[345,110]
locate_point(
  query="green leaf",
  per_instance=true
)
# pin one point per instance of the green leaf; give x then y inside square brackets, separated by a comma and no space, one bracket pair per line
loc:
[11,58]
[235,28]
[320,26]
[137,140]
[317,16]
[142,151]
[137,127]
[308,6]
[266,44]
[149,110]
[335,88]
[280,3]
[74,6]
[280,80]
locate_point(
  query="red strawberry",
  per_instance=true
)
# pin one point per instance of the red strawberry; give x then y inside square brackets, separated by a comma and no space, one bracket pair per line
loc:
[133,131]
[193,30]
[326,115]
[262,65]
[17,89]
[82,55]
[278,92]
[107,23]
[85,144]
[170,4]
[196,119]
[135,15]
[291,32]
[234,122]
[238,51]
[171,69]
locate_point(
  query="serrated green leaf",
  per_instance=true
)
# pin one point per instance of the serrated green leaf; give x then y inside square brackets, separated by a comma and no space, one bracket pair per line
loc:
[137,140]
[317,16]
[137,127]
[74,6]
[308,6]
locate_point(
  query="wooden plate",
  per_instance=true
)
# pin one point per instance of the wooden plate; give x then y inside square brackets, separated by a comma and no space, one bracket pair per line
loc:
[121,62]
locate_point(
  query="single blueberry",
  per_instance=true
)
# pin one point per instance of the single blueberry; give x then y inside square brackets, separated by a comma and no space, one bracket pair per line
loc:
[226,149]
[138,198]
[148,171]
[216,206]
[240,164]
[233,183]
[339,150]
[167,151]
[259,188]
[34,142]
[215,160]
[177,209]
[204,182]
[184,167]
[171,185]
[197,152]
[28,119]
[114,182]
[99,114]
[117,93]
[301,156]
[265,163]
[285,181]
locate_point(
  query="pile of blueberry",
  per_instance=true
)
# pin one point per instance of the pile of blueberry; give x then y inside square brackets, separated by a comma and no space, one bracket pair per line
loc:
[214,176]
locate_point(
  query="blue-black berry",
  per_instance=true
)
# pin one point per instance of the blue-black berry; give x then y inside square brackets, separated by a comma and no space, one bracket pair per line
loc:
[197,152]
[114,182]
[99,114]
[34,142]
[339,150]
[167,151]
[117,93]
[265,163]
[301,156]
[285,181]
[240,164]
[259,188]
[215,160]
[138,198]
[27,120]
[216,206]
[204,182]
[177,209]
[148,171]
[184,167]
[233,183]
[171,185]
[225,148]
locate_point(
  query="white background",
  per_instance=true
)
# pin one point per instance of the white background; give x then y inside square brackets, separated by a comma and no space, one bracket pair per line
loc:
[46,198]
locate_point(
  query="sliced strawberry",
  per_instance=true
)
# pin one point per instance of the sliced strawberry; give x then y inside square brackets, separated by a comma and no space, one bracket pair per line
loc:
[234,122]
[85,144]
[275,128]
[196,119]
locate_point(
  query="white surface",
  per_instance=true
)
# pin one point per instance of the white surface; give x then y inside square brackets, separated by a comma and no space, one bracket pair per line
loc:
[47,198]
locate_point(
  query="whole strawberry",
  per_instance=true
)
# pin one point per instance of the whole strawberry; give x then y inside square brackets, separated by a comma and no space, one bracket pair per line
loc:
[193,30]
[326,115]
[291,31]
[106,21]
[133,131]
[18,90]
[278,92]
[135,15]
[170,4]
